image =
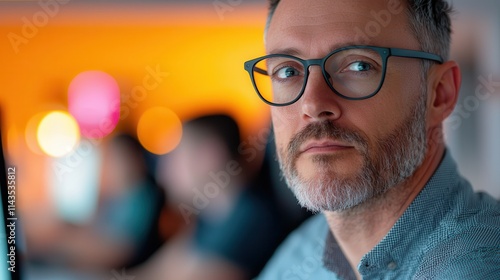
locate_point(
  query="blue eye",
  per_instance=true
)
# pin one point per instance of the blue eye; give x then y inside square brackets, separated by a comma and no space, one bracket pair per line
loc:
[287,72]
[359,66]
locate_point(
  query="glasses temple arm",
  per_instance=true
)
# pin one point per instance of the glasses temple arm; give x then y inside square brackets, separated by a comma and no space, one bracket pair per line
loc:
[416,54]
[260,71]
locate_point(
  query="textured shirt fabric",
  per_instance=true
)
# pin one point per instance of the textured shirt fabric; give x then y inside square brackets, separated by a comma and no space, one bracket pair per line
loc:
[447,232]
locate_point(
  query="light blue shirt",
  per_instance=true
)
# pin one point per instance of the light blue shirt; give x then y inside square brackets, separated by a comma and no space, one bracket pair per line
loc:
[448,232]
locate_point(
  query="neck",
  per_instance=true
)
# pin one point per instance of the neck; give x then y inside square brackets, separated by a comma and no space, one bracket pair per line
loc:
[358,230]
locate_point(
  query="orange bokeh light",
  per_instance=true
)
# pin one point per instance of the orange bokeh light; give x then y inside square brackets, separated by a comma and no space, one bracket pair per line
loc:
[159,130]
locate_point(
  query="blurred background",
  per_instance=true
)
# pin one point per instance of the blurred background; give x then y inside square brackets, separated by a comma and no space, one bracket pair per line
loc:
[153,65]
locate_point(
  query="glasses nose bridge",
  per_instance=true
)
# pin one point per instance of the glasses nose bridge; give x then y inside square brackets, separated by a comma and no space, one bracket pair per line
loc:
[319,62]
[310,62]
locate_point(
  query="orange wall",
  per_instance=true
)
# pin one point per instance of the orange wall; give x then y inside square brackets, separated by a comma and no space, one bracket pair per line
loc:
[202,52]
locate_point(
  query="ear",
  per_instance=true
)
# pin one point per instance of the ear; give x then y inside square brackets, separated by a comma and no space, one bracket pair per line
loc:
[443,94]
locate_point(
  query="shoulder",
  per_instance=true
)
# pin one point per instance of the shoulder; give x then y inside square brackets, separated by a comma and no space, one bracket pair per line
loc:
[483,262]
[466,244]
[301,252]
[458,258]
[474,218]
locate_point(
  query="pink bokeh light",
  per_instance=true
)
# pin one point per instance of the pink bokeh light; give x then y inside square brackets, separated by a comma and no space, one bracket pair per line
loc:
[94,101]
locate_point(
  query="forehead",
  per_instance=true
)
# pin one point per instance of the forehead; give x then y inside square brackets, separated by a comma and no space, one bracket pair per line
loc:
[320,26]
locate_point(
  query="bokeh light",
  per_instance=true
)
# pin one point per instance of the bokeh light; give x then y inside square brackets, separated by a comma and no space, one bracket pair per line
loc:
[31,127]
[74,183]
[58,134]
[159,130]
[94,101]
[30,133]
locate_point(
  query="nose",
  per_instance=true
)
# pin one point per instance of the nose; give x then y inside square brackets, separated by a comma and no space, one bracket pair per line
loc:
[319,102]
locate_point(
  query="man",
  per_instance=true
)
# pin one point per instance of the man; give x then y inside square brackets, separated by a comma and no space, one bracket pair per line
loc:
[359,137]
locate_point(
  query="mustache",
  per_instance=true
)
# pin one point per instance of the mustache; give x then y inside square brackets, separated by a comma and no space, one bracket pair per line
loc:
[322,130]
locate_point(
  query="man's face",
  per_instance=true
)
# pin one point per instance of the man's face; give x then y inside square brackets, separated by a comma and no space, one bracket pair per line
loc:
[336,153]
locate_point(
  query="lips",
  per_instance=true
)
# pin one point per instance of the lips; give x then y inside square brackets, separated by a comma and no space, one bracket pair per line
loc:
[324,146]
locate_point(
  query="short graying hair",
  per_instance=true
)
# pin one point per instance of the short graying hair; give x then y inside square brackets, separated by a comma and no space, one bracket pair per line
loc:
[429,21]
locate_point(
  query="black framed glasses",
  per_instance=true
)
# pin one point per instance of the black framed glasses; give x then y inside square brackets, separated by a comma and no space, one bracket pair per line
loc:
[354,72]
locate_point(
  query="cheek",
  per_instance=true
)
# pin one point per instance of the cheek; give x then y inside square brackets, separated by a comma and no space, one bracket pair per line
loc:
[284,126]
[379,116]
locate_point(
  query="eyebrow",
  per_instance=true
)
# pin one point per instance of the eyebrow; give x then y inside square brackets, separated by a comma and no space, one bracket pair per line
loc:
[297,52]
[288,51]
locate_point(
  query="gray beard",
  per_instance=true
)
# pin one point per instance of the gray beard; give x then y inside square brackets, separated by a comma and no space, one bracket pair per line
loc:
[394,159]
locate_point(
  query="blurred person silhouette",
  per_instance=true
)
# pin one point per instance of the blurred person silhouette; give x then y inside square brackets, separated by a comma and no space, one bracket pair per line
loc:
[132,202]
[124,230]
[233,221]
